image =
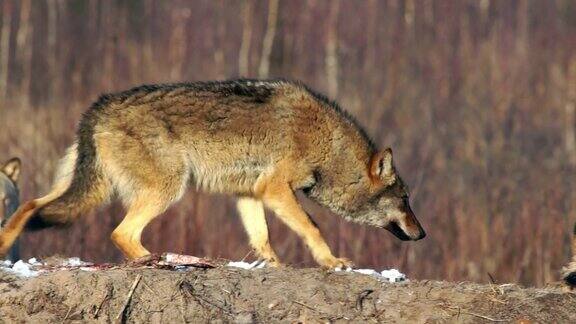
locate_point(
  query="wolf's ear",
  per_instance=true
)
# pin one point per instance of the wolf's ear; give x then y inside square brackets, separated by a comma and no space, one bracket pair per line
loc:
[12,168]
[381,165]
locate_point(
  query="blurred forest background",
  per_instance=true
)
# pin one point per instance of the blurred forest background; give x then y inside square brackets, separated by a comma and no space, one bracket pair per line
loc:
[477,99]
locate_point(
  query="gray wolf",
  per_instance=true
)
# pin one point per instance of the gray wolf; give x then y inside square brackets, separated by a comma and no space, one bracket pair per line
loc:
[260,140]
[9,195]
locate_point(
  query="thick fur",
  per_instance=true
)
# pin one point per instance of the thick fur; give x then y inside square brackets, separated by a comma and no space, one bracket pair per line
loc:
[260,140]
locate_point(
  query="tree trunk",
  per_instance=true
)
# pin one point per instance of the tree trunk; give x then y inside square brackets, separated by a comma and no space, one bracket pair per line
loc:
[243,63]
[331,59]
[5,48]
[264,69]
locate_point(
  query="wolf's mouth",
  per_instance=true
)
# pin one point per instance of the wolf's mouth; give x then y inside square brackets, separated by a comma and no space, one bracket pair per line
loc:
[395,229]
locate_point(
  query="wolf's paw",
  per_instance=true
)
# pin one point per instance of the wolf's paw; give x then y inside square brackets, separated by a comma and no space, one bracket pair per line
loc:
[144,260]
[332,263]
[266,263]
[273,263]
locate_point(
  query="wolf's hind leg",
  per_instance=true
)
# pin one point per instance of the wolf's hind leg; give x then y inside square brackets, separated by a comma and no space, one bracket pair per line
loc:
[150,175]
[254,220]
[142,210]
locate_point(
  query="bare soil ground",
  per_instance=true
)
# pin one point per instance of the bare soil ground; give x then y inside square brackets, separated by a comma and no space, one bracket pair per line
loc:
[225,294]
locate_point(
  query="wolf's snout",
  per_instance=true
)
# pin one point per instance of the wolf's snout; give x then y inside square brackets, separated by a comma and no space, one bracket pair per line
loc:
[421,235]
[407,228]
[415,230]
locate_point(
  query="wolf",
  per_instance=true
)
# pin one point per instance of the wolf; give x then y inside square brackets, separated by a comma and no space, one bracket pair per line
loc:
[259,140]
[9,195]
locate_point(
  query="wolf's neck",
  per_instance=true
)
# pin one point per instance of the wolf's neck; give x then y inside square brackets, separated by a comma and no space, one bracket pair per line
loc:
[342,173]
[341,189]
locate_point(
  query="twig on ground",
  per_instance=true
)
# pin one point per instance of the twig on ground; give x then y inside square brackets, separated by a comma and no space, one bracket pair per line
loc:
[321,312]
[461,311]
[120,316]
[67,314]
[105,299]
[188,289]
[360,300]
[500,292]
[206,301]
[307,306]
[247,255]
[149,288]
[497,300]
[485,317]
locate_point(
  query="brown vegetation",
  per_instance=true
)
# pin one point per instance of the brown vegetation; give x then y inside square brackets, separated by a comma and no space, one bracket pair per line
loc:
[475,97]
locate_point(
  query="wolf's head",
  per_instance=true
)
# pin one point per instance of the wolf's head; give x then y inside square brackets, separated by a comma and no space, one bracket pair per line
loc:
[385,202]
[9,173]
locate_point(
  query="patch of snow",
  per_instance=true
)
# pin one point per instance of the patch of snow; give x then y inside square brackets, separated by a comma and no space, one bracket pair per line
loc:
[75,262]
[391,275]
[370,272]
[246,265]
[33,266]
[5,263]
[34,261]
[22,268]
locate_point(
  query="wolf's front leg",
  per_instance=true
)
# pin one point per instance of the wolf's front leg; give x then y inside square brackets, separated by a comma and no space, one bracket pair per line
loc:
[279,197]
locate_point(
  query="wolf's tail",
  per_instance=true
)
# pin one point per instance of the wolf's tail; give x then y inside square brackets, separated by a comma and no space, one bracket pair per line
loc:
[87,187]
[80,186]
[79,198]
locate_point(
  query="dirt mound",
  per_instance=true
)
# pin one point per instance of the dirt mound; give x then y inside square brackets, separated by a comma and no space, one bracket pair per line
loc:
[140,294]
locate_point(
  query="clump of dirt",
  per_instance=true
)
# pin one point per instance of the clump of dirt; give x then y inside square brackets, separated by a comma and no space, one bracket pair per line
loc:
[139,294]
